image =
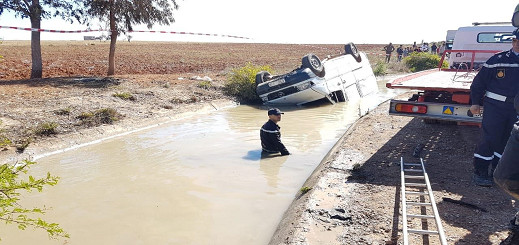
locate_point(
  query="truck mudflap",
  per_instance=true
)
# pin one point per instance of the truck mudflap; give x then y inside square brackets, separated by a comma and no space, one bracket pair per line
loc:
[429,110]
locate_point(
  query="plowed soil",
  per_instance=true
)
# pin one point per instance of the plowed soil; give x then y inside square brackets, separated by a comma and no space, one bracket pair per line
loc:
[90,58]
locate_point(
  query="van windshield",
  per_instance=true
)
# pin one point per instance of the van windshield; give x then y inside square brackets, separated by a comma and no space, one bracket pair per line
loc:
[495,37]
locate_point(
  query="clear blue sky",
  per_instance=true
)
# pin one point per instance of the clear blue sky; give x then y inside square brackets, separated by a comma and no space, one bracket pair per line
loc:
[304,21]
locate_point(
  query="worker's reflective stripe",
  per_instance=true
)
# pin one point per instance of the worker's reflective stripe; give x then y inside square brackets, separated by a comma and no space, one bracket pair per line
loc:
[270,131]
[500,65]
[482,157]
[497,154]
[495,96]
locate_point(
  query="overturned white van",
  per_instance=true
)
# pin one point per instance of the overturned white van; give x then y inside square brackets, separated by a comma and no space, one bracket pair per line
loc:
[345,77]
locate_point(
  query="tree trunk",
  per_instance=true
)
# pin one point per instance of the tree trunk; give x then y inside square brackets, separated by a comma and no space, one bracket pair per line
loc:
[35,16]
[113,40]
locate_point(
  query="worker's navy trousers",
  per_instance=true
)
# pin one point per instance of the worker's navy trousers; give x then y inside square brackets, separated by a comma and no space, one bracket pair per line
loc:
[498,120]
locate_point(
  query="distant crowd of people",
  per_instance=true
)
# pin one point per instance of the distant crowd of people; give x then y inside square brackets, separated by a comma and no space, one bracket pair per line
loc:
[403,52]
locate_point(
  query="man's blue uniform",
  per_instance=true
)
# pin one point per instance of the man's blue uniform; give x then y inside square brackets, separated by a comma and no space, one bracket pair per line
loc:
[271,139]
[494,87]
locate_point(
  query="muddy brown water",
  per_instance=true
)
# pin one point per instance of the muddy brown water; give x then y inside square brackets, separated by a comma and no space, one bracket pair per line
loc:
[200,180]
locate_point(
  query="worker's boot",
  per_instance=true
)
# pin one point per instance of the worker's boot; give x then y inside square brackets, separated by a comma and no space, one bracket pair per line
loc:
[481,178]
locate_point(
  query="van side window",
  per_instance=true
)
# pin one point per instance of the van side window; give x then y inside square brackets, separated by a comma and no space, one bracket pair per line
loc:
[493,37]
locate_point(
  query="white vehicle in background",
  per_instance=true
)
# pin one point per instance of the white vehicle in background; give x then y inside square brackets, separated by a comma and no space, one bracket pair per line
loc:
[481,36]
[443,94]
[449,39]
[341,78]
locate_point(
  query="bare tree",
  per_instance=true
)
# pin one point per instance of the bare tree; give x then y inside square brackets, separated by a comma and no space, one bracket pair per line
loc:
[123,14]
[37,10]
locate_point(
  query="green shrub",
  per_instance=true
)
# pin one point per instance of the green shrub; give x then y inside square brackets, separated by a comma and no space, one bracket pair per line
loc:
[305,189]
[241,83]
[22,145]
[419,61]
[46,128]
[85,115]
[380,69]
[107,115]
[124,96]
[101,116]
[4,141]
[204,85]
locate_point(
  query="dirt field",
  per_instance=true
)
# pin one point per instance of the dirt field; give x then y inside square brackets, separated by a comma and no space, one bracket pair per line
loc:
[90,58]
[345,206]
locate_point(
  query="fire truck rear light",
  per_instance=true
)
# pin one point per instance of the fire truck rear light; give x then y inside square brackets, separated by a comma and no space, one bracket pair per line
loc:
[410,108]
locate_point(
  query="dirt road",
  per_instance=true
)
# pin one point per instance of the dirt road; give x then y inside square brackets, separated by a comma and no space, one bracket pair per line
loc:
[355,195]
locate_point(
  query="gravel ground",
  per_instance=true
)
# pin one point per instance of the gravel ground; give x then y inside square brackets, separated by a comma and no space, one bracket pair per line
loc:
[355,192]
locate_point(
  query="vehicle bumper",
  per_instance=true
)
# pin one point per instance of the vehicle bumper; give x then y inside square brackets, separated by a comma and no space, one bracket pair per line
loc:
[304,96]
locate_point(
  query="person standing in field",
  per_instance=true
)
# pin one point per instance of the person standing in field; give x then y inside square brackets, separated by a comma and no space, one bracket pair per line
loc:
[434,48]
[389,49]
[495,86]
[406,52]
[441,49]
[400,52]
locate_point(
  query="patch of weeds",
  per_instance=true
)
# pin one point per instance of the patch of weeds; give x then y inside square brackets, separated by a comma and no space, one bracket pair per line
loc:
[22,145]
[85,115]
[167,85]
[305,189]
[101,116]
[167,107]
[46,128]
[205,85]
[125,96]
[107,115]
[63,112]
[193,99]
[356,167]
[4,141]
[380,69]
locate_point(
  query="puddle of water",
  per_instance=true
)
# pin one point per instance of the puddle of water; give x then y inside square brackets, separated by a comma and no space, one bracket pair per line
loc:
[196,181]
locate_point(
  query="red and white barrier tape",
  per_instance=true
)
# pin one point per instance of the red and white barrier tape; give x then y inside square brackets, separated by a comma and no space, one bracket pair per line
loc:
[89,30]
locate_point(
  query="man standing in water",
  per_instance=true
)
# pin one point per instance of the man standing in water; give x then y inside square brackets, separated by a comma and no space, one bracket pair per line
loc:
[271,136]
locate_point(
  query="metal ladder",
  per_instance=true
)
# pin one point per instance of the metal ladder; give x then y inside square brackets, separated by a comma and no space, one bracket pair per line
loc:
[414,176]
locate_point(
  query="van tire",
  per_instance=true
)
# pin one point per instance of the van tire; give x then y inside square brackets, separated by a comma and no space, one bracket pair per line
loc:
[262,77]
[313,62]
[350,48]
[323,73]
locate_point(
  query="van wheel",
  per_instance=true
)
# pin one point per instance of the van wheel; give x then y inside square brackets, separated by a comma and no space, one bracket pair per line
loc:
[350,48]
[323,73]
[314,63]
[262,77]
